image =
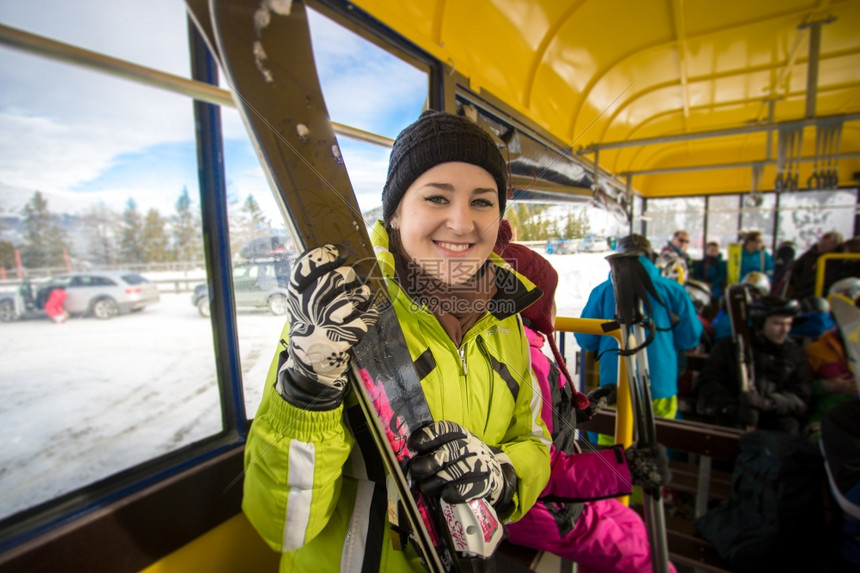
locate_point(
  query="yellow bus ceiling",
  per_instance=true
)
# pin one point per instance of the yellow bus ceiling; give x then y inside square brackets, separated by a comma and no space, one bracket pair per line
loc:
[599,71]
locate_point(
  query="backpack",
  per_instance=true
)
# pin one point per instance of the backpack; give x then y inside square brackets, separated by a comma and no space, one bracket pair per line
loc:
[774,513]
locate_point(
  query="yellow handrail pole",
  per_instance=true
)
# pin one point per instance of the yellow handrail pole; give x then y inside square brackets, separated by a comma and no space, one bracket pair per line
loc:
[624,418]
[822,264]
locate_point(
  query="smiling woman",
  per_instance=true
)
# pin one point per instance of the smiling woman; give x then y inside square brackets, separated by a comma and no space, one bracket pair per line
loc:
[118,149]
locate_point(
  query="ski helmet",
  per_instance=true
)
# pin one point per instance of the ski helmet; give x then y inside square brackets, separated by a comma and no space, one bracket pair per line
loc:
[699,293]
[848,287]
[814,305]
[759,282]
[771,305]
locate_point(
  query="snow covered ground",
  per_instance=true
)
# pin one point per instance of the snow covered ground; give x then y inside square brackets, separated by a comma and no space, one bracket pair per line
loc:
[82,400]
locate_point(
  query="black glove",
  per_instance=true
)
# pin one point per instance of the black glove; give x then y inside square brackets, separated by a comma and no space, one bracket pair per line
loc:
[748,416]
[452,462]
[649,466]
[598,398]
[786,403]
[753,399]
[329,311]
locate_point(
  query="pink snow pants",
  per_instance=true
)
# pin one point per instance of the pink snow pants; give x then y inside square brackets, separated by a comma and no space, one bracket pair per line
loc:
[608,537]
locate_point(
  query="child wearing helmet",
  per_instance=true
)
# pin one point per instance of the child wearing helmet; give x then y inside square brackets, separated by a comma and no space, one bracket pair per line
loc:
[781,384]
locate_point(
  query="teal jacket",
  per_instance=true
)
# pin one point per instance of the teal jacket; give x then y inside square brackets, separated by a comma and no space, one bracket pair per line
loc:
[759,261]
[669,339]
[307,490]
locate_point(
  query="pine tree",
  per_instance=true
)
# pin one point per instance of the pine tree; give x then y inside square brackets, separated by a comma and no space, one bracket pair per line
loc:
[100,229]
[256,218]
[130,246]
[44,238]
[576,225]
[248,223]
[7,255]
[527,219]
[186,230]
[154,238]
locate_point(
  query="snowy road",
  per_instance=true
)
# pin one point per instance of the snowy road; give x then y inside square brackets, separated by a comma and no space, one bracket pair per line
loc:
[84,399]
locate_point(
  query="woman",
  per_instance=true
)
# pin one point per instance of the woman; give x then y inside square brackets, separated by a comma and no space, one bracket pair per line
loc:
[754,257]
[310,487]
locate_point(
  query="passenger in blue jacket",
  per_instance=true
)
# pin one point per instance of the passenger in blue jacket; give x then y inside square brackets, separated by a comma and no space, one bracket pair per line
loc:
[754,257]
[678,329]
[712,269]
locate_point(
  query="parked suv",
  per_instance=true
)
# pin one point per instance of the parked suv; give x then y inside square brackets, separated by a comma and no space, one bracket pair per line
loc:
[593,244]
[102,294]
[257,283]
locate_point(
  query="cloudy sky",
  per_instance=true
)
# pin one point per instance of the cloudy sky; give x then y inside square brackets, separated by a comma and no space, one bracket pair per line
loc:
[80,135]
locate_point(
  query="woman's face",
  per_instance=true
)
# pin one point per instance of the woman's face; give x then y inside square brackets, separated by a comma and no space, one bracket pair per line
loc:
[754,245]
[449,219]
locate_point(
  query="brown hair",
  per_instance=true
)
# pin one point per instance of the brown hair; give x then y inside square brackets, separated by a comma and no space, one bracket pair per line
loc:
[751,236]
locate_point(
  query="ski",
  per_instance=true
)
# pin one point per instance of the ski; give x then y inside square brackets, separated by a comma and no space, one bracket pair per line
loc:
[847,317]
[632,285]
[737,303]
[264,51]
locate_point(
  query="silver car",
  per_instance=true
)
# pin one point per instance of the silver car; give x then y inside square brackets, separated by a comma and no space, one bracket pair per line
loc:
[103,294]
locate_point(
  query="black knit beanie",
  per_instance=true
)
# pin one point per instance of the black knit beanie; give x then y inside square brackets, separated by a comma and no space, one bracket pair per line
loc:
[439,137]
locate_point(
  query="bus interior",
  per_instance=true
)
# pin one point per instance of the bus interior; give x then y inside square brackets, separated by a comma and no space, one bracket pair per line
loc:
[123,446]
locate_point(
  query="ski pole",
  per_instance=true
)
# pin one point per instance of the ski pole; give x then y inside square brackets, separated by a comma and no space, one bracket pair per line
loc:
[632,287]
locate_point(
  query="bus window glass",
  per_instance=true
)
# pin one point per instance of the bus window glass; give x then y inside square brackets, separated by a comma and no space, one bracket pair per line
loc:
[723,220]
[98,176]
[350,70]
[806,215]
[680,213]
[370,89]
[758,214]
[152,34]
[638,211]
[261,250]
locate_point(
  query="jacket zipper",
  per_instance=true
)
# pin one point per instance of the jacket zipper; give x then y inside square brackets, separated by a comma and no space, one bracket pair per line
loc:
[462,351]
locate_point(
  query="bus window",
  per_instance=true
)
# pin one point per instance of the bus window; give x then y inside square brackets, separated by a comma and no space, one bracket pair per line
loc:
[673,214]
[806,215]
[99,175]
[758,214]
[723,220]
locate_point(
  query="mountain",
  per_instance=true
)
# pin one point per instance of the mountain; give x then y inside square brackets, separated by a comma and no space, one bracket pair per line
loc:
[13,199]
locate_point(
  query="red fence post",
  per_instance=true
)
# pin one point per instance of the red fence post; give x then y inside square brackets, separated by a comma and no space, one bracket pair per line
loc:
[18,264]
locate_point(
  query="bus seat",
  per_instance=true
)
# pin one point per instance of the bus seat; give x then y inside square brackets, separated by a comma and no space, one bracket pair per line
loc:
[232,546]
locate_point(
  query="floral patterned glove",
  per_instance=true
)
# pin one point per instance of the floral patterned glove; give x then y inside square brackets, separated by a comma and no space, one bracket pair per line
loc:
[455,464]
[329,310]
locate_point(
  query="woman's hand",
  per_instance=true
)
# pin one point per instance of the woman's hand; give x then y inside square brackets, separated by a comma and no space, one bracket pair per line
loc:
[329,310]
[454,463]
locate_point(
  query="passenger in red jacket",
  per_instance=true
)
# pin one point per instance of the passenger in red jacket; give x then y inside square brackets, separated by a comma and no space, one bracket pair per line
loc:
[576,516]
